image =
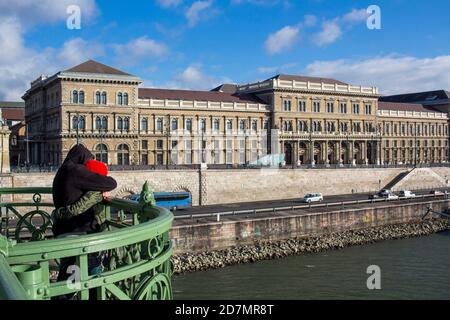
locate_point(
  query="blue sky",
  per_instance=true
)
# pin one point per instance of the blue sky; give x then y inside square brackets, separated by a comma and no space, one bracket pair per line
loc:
[199,44]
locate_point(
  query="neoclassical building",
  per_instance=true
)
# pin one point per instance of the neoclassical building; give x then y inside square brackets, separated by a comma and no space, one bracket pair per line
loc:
[309,120]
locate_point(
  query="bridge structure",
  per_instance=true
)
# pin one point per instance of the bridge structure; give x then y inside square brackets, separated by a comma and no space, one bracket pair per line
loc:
[135,250]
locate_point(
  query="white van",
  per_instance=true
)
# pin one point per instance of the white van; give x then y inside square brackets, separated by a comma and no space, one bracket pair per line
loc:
[313,197]
[406,194]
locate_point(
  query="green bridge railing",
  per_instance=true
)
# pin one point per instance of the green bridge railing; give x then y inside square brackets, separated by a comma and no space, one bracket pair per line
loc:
[135,250]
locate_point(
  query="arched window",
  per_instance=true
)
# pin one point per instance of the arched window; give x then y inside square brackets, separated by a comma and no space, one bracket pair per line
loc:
[123,155]
[104,123]
[216,124]
[81,97]
[159,124]
[188,124]
[98,123]
[119,123]
[125,99]
[174,124]
[229,125]
[144,124]
[82,123]
[203,125]
[241,125]
[75,96]
[101,153]
[74,122]
[126,123]
[98,99]
[119,98]
[104,98]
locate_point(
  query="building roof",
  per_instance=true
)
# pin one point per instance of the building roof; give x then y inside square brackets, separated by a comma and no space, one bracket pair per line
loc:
[92,66]
[427,97]
[396,106]
[15,114]
[12,104]
[226,87]
[288,77]
[213,96]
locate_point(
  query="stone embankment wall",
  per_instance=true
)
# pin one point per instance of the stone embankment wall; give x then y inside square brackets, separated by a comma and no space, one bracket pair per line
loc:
[200,237]
[230,186]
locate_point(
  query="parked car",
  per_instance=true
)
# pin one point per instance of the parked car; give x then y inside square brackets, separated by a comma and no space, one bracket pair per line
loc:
[313,197]
[406,194]
[384,193]
[437,193]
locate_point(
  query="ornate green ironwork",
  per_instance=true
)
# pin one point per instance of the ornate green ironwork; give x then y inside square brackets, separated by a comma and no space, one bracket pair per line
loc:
[135,251]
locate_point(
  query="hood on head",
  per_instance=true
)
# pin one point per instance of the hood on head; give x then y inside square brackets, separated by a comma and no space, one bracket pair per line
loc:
[79,154]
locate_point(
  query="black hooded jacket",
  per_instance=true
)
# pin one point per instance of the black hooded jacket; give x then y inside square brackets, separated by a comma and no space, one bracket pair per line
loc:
[73,179]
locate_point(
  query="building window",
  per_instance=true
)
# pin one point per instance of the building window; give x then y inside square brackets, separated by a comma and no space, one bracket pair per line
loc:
[242,125]
[188,152]
[101,153]
[266,124]
[317,126]
[302,106]
[254,125]
[98,99]
[75,96]
[202,125]
[330,127]
[316,106]
[159,144]
[123,155]
[144,124]
[104,98]
[125,98]
[119,123]
[368,109]
[229,125]
[104,125]
[287,126]
[188,125]
[126,124]
[356,108]
[216,125]
[344,127]
[119,98]
[330,107]
[287,105]
[229,152]
[302,126]
[159,159]
[159,124]
[174,124]
[81,123]
[144,144]
[343,108]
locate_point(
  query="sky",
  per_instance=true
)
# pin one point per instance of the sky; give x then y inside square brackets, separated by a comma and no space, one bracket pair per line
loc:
[200,44]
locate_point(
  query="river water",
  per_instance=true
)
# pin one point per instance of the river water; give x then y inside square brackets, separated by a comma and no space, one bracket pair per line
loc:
[417,268]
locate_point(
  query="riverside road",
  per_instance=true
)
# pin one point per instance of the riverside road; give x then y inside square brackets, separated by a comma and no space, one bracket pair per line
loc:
[248,206]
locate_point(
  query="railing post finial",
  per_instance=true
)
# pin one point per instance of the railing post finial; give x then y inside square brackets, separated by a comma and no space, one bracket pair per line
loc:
[147,197]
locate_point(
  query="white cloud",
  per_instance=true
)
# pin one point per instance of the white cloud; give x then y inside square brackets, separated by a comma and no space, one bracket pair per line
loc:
[169,3]
[282,40]
[193,77]
[138,49]
[79,50]
[355,16]
[392,74]
[261,2]
[331,31]
[32,12]
[198,11]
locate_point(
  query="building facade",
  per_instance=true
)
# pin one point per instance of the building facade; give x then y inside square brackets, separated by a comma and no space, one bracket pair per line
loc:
[311,121]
